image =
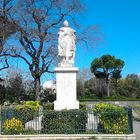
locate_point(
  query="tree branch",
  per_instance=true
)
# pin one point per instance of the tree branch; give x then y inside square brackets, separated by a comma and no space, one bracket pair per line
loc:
[15,55]
[7,65]
[26,47]
[55,23]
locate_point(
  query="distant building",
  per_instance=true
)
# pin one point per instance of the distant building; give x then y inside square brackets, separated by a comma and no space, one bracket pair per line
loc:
[49,85]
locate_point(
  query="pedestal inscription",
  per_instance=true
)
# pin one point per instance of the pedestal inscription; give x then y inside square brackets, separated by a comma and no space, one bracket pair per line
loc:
[66,88]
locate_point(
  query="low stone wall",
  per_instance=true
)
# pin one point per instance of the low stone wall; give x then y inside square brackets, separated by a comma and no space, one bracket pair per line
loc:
[68,137]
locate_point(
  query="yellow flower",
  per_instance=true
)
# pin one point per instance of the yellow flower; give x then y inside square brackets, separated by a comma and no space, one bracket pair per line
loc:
[13,124]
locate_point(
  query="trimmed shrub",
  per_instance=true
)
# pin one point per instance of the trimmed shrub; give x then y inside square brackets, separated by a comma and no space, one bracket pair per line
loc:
[112,119]
[27,111]
[82,106]
[64,122]
[13,126]
[48,106]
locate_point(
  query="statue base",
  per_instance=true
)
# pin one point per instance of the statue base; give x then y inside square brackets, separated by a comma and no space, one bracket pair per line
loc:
[66,97]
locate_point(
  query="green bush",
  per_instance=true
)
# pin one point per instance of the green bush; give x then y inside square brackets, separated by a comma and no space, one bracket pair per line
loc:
[48,106]
[82,106]
[112,119]
[64,122]
[27,111]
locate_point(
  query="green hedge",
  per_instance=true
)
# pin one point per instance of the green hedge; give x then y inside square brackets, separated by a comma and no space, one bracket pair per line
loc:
[64,122]
[48,106]
[112,119]
[82,106]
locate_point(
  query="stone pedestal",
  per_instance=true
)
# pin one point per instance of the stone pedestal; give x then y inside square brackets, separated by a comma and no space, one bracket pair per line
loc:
[66,97]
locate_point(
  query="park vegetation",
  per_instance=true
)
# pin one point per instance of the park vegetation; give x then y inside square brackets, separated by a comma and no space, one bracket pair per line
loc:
[112,119]
[92,88]
[128,88]
[105,67]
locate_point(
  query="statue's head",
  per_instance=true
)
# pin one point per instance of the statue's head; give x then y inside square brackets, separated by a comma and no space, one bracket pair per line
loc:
[66,24]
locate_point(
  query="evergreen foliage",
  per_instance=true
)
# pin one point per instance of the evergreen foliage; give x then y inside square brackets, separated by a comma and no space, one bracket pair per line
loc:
[64,122]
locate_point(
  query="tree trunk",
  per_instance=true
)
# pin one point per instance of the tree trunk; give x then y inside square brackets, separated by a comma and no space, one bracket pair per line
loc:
[116,84]
[107,87]
[37,88]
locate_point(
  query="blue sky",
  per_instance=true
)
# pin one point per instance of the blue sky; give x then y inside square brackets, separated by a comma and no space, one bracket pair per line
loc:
[119,21]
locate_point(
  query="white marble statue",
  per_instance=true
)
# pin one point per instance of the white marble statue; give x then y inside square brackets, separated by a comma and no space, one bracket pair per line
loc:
[66,45]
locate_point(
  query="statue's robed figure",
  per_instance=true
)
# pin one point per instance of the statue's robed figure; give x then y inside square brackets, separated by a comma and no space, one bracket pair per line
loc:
[66,45]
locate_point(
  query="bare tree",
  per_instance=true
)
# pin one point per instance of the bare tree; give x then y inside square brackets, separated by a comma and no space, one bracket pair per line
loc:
[36,23]
[6,29]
